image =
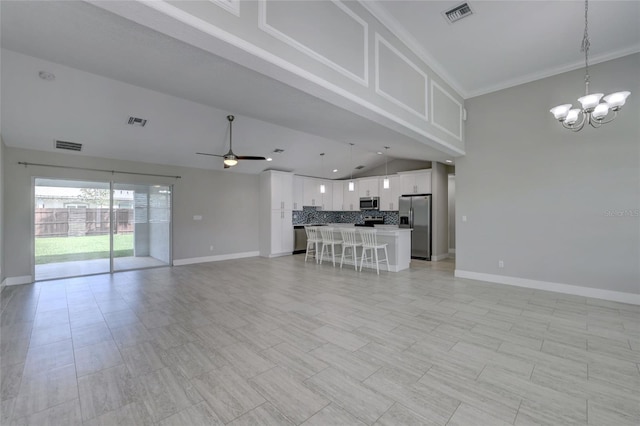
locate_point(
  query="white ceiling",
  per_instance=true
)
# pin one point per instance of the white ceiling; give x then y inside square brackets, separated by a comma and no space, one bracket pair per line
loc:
[504,43]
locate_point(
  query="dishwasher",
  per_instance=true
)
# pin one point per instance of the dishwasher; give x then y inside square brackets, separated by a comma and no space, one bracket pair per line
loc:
[299,239]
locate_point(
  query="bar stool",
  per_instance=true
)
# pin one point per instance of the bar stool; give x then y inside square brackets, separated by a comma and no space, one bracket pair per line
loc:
[349,242]
[370,242]
[313,239]
[328,241]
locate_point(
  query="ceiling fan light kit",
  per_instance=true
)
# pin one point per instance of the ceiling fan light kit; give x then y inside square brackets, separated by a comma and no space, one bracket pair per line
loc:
[231,159]
[593,111]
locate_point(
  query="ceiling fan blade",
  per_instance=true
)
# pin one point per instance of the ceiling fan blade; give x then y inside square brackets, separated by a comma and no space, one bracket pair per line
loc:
[249,157]
[212,155]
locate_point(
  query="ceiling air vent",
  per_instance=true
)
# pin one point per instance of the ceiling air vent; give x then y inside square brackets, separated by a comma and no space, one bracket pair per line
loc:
[359,167]
[278,151]
[458,12]
[69,146]
[135,121]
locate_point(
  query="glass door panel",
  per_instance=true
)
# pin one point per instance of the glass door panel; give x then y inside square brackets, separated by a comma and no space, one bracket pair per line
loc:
[71,228]
[142,226]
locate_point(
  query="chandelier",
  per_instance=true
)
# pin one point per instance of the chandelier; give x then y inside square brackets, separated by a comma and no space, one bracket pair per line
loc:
[596,107]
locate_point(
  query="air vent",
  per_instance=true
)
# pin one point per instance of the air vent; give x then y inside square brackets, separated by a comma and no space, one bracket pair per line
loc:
[69,146]
[278,151]
[359,167]
[135,121]
[457,13]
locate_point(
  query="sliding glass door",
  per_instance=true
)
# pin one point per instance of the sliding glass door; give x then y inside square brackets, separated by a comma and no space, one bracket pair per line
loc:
[87,227]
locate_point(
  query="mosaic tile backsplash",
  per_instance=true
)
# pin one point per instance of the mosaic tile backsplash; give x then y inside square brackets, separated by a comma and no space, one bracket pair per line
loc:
[313,215]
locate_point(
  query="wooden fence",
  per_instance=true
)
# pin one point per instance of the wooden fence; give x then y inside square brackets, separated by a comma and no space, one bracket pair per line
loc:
[80,221]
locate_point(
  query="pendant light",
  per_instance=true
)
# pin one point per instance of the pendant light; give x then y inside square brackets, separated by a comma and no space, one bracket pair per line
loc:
[322,187]
[352,185]
[385,181]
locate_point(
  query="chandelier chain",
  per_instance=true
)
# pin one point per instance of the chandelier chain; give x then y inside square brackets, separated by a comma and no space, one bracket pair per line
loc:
[586,43]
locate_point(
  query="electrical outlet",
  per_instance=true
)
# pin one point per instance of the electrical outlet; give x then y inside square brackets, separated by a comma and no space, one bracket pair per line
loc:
[500,264]
[210,248]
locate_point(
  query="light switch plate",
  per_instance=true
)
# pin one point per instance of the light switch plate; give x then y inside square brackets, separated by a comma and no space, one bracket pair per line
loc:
[197,217]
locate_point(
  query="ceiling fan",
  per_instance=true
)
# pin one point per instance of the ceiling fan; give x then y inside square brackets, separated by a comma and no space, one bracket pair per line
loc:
[231,159]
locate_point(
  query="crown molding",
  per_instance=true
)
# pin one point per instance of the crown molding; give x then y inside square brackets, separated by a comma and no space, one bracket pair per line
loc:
[555,71]
[413,45]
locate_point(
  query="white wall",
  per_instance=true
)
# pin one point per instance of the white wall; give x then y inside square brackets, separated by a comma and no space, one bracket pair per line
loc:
[556,206]
[452,213]
[2,227]
[439,209]
[395,166]
[227,202]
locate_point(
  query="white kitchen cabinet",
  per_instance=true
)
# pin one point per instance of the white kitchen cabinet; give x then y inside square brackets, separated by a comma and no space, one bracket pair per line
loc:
[312,195]
[368,187]
[418,182]
[276,227]
[338,195]
[281,233]
[281,190]
[327,196]
[298,192]
[389,197]
[351,199]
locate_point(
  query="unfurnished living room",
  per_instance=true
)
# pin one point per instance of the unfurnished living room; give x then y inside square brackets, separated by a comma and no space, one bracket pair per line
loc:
[320,212]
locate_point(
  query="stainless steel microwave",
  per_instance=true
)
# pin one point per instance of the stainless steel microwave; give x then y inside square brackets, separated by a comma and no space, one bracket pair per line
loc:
[370,203]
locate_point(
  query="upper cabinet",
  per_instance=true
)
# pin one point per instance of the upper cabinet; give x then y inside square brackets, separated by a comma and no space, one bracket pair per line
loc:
[298,192]
[418,182]
[368,187]
[338,195]
[326,191]
[351,199]
[389,197]
[312,196]
[281,190]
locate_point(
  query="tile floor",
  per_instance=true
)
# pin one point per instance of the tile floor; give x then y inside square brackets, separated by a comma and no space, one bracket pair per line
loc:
[282,342]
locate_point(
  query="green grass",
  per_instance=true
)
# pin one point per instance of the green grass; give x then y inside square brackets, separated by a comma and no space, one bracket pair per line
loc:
[66,249]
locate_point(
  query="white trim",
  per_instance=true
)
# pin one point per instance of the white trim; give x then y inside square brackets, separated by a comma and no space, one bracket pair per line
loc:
[24,279]
[217,258]
[208,28]
[433,121]
[596,293]
[435,258]
[389,97]
[412,44]
[553,71]
[232,6]
[364,80]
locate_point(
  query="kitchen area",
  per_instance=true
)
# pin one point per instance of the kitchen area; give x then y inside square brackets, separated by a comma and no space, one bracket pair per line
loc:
[402,207]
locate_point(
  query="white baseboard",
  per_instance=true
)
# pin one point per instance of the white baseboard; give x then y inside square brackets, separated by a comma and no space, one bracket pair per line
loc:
[217,258]
[435,258]
[24,279]
[596,293]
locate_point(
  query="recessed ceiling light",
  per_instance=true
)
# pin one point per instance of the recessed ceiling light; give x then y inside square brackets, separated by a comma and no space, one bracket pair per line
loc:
[269,159]
[379,152]
[48,76]
[448,161]
[335,170]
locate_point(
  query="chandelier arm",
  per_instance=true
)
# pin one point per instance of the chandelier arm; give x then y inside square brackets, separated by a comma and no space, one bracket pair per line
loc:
[615,114]
[574,127]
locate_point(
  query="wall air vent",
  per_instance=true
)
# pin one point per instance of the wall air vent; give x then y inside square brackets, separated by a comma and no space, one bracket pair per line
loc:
[135,121]
[457,13]
[359,167]
[69,146]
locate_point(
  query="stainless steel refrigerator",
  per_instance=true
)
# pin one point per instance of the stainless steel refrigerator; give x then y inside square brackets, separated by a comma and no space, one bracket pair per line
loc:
[415,212]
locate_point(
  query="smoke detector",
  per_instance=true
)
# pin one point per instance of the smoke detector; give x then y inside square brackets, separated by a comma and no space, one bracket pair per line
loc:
[457,13]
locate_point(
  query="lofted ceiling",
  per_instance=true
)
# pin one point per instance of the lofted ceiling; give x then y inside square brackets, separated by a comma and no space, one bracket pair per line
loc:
[108,68]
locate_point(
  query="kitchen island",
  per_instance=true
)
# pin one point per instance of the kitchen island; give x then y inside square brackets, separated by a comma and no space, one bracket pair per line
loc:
[398,242]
